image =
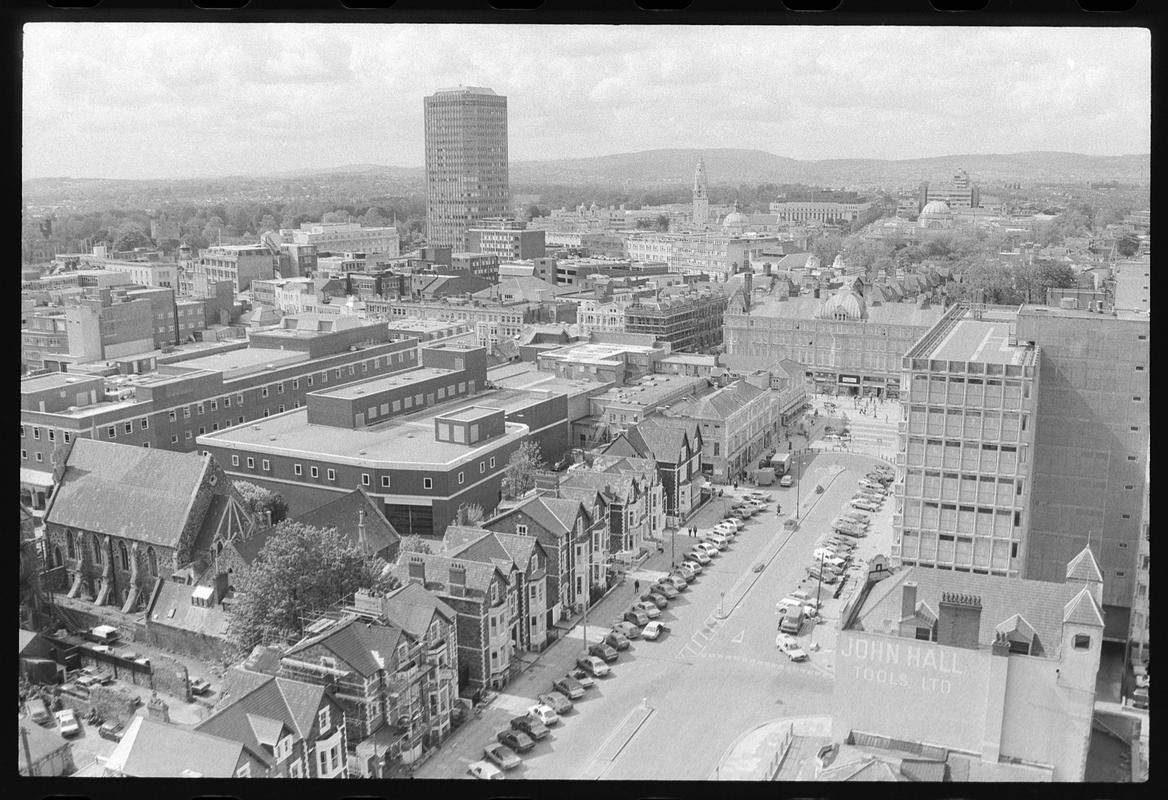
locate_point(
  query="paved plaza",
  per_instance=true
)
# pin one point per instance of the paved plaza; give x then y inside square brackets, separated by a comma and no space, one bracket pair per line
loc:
[673,708]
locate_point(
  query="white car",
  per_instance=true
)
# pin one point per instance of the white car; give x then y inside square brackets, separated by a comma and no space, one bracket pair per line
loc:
[544,714]
[485,771]
[690,569]
[790,646]
[699,554]
[717,539]
[788,604]
[786,481]
[864,505]
[654,630]
[67,723]
[873,485]
[710,548]
[726,529]
[650,610]
[736,523]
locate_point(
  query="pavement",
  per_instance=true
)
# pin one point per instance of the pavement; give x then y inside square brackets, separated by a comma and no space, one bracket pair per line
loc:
[672,708]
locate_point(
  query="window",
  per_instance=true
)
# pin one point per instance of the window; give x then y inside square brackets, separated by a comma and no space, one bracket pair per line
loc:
[1119,573]
[309,380]
[364,478]
[384,481]
[492,462]
[186,412]
[70,545]
[297,469]
[129,428]
[174,439]
[202,429]
[111,432]
[925,634]
[145,423]
[227,402]
[266,465]
[482,467]
[332,474]
[36,433]
[39,456]
[314,472]
[295,383]
[1082,642]
[281,408]
[188,436]
[22,432]
[521,529]
[280,388]
[68,437]
[152,562]
[235,461]
[24,454]
[461,478]
[264,392]
[123,555]
[202,408]
[323,719]
[214,405]
[427,483]
[250,462]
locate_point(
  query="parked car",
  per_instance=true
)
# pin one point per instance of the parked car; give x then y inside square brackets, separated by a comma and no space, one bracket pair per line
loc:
[875,486]
[665,587]
[501,756]
[649,609]
[690,568]
[766,497]
[792,621]
[1141,674]
[864,505]
[787,604]
[111,730]
[743,511]
[103,634]
[485,771]
[581,677]
[556,702]
[654,630]
[718,540]
[850,532]
[790,646]
[825,575]
[38,710]
[199,686]
[601,650]
[637,616]
[515,740]
[593,665]
[699,555]
[786,481]
[710,549]
[1140,698]
[627,629]
[737,523]
[67,723]
[858,515]
[725,529]
[617,641]
[569,687]
[658,599]
[87,681]
[531,726]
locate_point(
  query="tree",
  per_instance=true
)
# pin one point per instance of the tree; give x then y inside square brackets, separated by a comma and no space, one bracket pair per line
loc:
[519,476]
[1127,245]
[301,569]
[130,235]
[534,211]
[474,513]
[415,544]
[260,501]
[212,230]
[826,248]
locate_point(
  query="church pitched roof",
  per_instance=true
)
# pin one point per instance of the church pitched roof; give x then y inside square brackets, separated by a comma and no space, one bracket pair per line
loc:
[1081,610]
[1084,567]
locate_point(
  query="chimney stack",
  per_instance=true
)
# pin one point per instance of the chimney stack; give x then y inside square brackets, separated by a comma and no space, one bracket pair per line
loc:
[908,599]
[361,543]
[156,709]
[959,620]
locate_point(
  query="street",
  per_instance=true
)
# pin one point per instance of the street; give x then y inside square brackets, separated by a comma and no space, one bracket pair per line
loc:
[671,707]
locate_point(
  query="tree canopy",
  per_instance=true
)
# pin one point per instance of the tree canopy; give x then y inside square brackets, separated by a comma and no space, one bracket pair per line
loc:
[261,500]
[519,476]
[300,570]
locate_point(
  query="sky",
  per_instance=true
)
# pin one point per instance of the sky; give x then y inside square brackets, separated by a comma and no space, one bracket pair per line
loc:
[159,100]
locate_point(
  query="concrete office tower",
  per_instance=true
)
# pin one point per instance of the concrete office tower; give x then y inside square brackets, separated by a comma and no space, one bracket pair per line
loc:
[701,195]
[1091,446]
[466,162]
[965,449]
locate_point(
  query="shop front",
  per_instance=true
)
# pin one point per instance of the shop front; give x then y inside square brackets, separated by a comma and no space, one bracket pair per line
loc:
[849,385]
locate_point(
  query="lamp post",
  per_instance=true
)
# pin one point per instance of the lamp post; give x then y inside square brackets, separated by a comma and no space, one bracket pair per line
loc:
[819,585]
[798,480]
[722,606]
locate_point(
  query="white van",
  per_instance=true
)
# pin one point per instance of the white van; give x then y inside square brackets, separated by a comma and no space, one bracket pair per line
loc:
[717,540]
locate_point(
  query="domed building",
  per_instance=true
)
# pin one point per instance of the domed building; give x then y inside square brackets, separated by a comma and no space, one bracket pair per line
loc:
[844,305]
[935,215]
[735,221]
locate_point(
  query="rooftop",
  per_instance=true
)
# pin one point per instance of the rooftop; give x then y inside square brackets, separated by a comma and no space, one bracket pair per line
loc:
[653,389]
[385,383]
[54,380]
[406,441]
[1052,311]
[245,361]
[600,352]
[986,341]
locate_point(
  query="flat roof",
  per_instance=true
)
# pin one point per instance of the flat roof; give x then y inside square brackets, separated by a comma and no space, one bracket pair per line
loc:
[378,385]
[600,352]
[985,341]
[54,380]
[1054,311]
[469,413]
[400,442]
[235,363]
[651,391]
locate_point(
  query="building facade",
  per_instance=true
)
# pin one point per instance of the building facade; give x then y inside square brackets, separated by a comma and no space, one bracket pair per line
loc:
[701,195]
[240,264]
[808,211]
[466,162]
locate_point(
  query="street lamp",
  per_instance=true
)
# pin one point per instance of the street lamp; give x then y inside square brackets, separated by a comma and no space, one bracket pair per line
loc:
[722,606]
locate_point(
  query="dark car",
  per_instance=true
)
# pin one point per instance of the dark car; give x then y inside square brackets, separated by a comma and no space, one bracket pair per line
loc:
[618,641]
[666,588]
[502,756]
[531,726]
[556,701]
[656,598]
[602,650]
[637,617]
[199,686]
[111,730]
[569,686]
[581,677]
[518,741]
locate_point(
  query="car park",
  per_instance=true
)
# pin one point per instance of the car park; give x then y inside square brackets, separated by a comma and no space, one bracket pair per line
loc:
[485,771]
[637,616]
[593,665]
[199,686]
[581,677]
[501,756]
[556,702]
[603,651]
[67,723]
[647,608]
[658,599]
[111,730]
[531,726]
[627,629]
[569,687]
[666,588]
[654,630]
[517,741]
[789,645]
[699,555]
[617,641]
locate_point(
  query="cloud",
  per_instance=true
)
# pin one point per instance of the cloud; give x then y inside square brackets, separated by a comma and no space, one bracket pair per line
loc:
[156,99]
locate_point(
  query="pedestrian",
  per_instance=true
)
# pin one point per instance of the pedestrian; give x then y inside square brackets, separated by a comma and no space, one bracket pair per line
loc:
[636,587]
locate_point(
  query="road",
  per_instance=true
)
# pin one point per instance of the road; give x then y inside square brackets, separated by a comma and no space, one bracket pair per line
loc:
[670,708]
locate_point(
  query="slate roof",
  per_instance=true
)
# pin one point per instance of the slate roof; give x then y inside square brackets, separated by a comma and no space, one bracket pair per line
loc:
[652,439]
[1084,567]
[478,574]
[42,742]
[380,536]
[412,608]
[261,707]
[616,485]
[151,749]
[143,494]
[173,608]
[357,644]
[554,514]
[486,549]
[459,536]
[1082,610]
[1043,604]
[719,404]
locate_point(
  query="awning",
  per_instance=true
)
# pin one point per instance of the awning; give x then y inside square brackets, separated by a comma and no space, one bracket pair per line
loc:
[36,477]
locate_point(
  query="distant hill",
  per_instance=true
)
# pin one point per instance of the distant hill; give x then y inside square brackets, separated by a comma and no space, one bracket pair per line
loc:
[647,169]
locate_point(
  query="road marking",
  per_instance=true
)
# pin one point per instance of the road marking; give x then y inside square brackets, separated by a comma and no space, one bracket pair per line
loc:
[740,637]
